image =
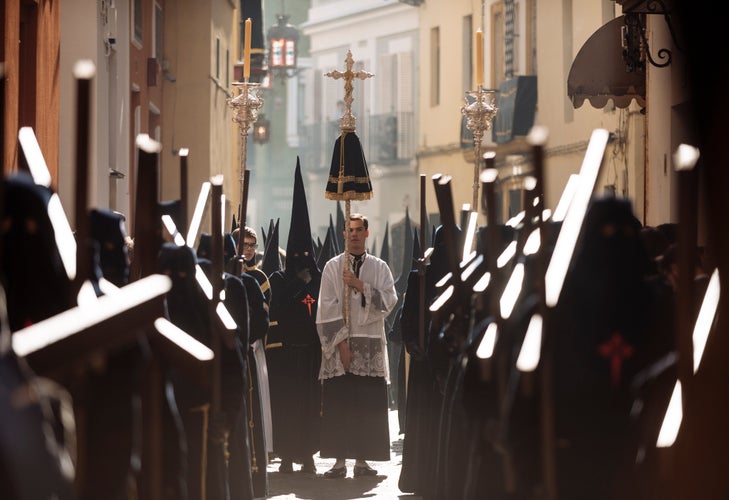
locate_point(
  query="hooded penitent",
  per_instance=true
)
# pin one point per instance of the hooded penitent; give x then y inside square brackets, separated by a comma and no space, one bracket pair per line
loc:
[108,230]
[293,351]
[299,247]
[31,257]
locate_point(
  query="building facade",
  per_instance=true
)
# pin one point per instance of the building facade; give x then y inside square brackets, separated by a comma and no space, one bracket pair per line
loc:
[383,38]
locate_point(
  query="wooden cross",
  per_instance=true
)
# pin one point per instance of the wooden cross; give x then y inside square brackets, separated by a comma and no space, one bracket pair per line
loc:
[348,120]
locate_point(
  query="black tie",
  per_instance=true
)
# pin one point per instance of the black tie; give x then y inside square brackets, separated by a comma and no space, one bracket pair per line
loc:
[356,265]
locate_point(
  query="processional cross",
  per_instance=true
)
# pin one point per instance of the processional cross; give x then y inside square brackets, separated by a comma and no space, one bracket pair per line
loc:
[348,120]
[348,176]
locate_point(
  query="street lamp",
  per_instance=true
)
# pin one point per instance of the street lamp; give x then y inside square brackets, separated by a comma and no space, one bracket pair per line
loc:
[283,39]
[261,129]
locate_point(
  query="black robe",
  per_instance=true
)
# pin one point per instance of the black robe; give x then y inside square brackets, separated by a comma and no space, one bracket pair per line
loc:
[293,355]
[189,309]
[424,394]
[258,314]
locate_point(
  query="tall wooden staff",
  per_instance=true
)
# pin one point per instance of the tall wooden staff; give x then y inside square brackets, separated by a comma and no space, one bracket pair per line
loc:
[245,106]
[216,280]
[183,190]
[479,110]
[422,265]
[84,71]
[348,176]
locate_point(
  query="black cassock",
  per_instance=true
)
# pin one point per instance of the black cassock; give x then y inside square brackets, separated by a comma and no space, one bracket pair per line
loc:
[258,314]
[293,355]
[427,373]
[189,309]
[257,296]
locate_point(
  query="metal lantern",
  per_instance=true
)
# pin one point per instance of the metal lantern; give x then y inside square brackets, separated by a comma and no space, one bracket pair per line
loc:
[261,130]
[283,39]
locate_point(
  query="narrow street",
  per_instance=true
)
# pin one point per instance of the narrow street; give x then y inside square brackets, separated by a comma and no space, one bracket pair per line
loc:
[316,487]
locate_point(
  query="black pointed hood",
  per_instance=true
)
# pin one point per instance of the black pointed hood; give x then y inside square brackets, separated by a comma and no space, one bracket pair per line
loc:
[204,247]
[30,255]
[416,251]
[109,231]
[233,225]
[265,234]
[173,208]
[299,248]
[271,256]
[385,251]
[340,228]
[329,247]
[335,240]
[406,255]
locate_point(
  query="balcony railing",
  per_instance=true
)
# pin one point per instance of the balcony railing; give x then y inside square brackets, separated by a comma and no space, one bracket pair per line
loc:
[388,139]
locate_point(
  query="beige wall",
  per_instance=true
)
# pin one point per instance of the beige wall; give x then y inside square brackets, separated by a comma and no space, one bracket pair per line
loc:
[196,113]
[368,28]
[560,37]
[438,145]
[562,27]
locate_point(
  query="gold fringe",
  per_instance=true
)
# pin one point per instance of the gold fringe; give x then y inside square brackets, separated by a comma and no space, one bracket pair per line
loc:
[274,345]
[348,196]
[349,178]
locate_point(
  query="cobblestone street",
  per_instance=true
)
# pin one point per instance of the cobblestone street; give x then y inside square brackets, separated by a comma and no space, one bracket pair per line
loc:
[316,487]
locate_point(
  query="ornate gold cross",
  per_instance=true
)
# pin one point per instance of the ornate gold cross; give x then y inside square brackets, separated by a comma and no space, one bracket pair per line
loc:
[348,120]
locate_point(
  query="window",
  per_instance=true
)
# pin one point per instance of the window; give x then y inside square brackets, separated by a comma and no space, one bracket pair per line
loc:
[159,34]
[435,66]
[509,39]
[531,41]
[467,81]
[497,45]
[137,19]
[217,58]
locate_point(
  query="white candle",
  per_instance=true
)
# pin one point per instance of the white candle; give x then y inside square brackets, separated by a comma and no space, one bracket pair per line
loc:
[247,51]
[479,58]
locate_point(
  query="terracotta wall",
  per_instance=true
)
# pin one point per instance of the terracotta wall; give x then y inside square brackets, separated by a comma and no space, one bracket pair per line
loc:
[30,52]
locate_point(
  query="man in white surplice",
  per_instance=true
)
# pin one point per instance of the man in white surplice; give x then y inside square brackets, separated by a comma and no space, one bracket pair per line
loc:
[354,367]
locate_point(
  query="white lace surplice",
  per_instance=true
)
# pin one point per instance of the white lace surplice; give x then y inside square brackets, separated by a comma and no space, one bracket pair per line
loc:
[367,323]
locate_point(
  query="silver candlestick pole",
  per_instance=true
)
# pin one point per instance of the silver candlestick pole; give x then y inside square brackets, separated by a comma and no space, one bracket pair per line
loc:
[479,111]
[245,107]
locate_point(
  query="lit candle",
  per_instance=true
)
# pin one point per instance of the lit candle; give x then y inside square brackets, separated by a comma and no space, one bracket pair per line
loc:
[479,58]
[247,51]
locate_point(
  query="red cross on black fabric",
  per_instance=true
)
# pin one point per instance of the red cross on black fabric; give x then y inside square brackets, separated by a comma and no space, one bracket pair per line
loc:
[308,300]
[615,350]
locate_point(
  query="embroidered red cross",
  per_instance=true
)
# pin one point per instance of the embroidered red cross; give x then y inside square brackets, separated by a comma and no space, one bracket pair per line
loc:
[308,300]
[616,350]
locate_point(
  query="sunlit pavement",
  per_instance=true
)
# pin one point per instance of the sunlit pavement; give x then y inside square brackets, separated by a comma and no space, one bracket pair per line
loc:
[316,487]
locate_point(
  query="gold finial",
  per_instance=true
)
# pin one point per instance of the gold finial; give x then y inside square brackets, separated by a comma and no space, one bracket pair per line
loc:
[348,120]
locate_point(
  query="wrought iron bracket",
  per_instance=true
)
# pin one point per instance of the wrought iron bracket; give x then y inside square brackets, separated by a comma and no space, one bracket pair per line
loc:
[635,17]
